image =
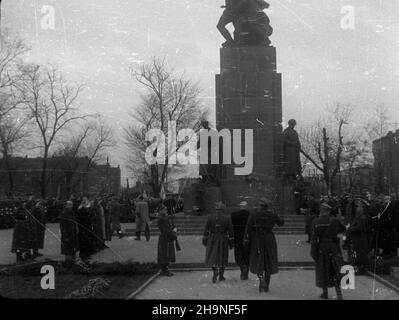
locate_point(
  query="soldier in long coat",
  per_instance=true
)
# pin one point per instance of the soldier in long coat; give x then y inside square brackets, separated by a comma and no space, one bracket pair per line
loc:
[23,234]
[39,227]
[218,238]
[312,211]
[263,246]
[98,223]
[326,251]
[69,233]
[241,252]
[85,230]
[166,242]
[357,232]
[142,219]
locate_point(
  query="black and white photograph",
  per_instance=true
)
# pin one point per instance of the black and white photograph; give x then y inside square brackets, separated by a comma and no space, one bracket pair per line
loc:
[197,156]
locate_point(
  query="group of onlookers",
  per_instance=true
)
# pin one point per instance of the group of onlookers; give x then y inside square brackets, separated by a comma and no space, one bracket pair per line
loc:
[85,225]
[369,227]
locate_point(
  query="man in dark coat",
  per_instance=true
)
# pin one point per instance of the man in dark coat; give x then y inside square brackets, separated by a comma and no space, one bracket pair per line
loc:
[241,252]
[85,230]
[39,227]
[326,251]
[69,233]
[142,219]
[311,207]
[263,246]
[115,209]
[166,242]
[357,233]
[23,234]
[98,223]
[218,238]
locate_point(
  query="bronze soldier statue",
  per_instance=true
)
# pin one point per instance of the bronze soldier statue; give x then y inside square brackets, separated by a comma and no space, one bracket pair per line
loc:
[251,24]
[218,238]
[326,251]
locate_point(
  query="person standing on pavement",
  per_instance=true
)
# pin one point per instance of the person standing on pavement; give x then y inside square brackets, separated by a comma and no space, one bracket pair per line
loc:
[115,209]
[218,238]
[142,219]
[326,251]
[69,234]
[357,233]
[166,242]
[241,253]
[312,211]
[259,235]
[39,227]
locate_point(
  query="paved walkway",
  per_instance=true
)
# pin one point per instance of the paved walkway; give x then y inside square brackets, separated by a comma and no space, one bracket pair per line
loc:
[292,248]
[293,284]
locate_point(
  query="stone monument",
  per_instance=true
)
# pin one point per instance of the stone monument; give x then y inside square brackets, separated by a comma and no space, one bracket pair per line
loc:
[248,96]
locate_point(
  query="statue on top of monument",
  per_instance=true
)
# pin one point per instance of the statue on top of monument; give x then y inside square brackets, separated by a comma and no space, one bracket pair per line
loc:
[291,152]
[251,24]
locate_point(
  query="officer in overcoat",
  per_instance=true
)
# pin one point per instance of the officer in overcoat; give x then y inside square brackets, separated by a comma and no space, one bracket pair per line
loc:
[166,242]
[326,251]
[241,252]
[263,260]
[218,238]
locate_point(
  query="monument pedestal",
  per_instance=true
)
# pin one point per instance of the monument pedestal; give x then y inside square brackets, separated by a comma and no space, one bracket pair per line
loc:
[248,96]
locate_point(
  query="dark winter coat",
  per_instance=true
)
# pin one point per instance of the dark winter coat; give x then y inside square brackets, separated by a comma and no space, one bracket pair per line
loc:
[69,232]
[326,250]
[263,245]
[142,216]
[166,241]
[218,236]
[239,220]
[39,226]
[358,240]
[85,230]
[115,209]
[312,212]
[23,236]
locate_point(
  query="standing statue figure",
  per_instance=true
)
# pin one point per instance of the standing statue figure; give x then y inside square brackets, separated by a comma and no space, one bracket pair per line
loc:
[251,24]
[209,172]
[291,152]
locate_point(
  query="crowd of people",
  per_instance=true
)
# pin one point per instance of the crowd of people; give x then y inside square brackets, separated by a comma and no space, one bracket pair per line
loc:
[369,227]
[85,225]
[372,224]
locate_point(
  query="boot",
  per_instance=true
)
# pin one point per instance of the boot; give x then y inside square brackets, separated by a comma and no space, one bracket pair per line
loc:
[19,257]
[262,283]
[221,272]
[215,275]
[244,273]
[324,295]
[138,236]
[339,293]
[165,271]
[267,282]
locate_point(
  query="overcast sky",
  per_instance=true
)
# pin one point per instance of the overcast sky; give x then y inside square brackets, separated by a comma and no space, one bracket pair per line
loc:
[96,40]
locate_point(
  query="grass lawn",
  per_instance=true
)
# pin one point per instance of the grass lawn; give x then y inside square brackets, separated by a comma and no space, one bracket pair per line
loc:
[28,287]
[122,279]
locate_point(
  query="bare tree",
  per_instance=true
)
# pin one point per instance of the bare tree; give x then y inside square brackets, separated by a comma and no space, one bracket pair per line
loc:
[53,106]
[13,133]
[323,142]
[81,151]
[168,96]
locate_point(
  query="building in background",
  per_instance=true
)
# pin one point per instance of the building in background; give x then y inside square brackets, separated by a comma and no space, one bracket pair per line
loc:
[386,163]
[65,176]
